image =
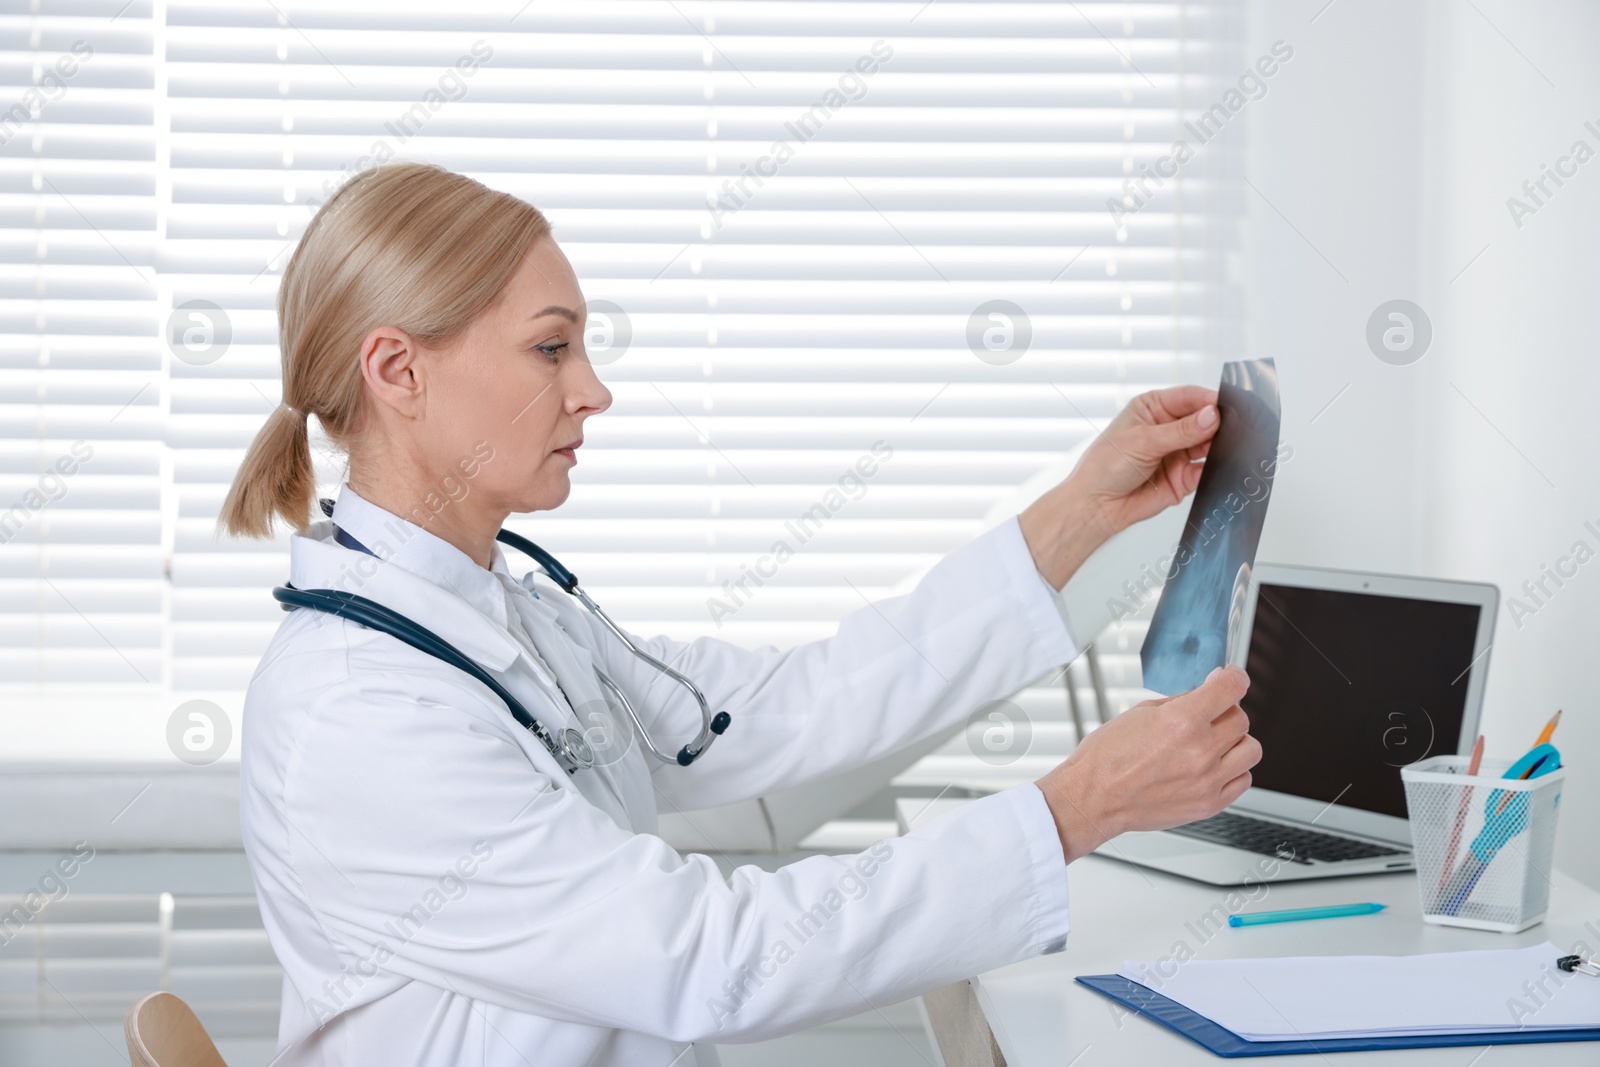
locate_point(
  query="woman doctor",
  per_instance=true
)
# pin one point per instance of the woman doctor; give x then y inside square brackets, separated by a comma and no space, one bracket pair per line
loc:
[437,887]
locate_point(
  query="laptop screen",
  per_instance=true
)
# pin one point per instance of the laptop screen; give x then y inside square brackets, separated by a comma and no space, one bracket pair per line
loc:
[1347,688]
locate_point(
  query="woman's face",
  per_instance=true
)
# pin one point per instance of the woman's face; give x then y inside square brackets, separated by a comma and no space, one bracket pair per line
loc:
[504,408]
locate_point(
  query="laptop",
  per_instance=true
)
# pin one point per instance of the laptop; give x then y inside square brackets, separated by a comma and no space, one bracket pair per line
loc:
[1352,676]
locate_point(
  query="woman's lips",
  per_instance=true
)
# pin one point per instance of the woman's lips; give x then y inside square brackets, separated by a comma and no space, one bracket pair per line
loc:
[570,451]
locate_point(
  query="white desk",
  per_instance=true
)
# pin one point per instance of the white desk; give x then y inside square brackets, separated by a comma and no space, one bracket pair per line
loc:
[1040,1016]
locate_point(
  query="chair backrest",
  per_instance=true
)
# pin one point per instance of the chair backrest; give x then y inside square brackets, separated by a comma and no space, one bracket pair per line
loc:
[162,1031]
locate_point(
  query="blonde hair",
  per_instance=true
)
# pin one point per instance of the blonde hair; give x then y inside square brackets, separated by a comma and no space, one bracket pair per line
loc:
[408,245]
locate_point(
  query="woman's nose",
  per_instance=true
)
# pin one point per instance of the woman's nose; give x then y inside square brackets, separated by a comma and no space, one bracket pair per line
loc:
[588,394]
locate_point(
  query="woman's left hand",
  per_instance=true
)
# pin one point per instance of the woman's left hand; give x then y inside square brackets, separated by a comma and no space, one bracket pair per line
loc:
[1142,462]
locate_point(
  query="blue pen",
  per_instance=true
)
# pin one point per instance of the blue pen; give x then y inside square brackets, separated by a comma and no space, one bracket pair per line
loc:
[1505,815]
[1332,911]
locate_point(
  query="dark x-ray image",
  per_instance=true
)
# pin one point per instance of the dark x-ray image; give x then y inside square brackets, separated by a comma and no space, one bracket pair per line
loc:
[1199,621]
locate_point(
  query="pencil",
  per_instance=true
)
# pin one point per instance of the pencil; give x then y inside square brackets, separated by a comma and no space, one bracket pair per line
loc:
[1549,728]
[1544,736]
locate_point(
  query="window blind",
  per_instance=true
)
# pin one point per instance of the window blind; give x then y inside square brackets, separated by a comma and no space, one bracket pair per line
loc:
[852,269]
[84,958]
[83,595]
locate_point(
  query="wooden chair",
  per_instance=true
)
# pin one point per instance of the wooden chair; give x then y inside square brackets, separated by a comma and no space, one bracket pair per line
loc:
[162,1031]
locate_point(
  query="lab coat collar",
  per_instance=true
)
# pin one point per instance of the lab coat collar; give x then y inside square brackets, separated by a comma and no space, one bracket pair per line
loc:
[416,573]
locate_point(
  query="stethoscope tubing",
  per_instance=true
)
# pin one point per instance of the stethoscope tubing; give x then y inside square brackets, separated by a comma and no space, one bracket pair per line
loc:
[570,749]
[710,725]
[568,746]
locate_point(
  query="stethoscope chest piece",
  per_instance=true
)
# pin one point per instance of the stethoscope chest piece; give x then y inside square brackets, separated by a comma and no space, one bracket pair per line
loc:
[576,747]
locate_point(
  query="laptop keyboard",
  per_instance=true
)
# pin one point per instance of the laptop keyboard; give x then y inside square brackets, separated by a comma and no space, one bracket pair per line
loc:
[1280,839]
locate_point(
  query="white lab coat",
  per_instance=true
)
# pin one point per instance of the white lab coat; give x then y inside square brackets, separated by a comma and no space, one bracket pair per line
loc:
[439,891]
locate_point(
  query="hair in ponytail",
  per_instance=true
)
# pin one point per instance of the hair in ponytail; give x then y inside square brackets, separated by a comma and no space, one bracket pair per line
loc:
[408,245]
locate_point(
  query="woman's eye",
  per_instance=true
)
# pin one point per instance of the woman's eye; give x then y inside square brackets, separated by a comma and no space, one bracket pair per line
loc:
[551,350]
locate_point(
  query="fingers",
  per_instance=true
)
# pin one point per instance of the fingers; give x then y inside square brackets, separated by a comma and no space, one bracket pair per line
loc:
[1233,790]
[1191,477]
[1180,473]
[1245,754]
[1230,678]
[1180,434]
[1231,725]
[1180,400]
[1223,688]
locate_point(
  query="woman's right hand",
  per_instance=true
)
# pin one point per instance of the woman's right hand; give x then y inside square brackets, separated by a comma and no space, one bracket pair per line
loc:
[1161,763]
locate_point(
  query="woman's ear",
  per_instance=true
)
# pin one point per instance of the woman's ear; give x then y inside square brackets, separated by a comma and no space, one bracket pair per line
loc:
[392,371]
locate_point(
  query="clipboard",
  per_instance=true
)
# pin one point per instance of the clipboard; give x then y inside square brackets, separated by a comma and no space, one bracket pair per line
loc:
[1226,1043]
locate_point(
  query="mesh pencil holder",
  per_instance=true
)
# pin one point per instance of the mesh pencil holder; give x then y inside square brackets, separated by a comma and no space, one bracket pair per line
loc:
[1483,844]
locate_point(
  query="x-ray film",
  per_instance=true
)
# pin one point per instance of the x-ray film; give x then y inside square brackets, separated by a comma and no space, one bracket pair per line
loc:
[1199,622]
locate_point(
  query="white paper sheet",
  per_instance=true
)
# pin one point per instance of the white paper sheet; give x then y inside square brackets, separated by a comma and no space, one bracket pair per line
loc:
[1354,996]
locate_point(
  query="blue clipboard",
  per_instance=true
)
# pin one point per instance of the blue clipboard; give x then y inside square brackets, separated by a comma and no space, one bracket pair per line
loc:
[1226,1043]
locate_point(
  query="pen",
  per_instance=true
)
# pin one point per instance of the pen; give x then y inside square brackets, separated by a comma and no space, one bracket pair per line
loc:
[1461,822]
[1332,911]
[1505,815]
[1533,771]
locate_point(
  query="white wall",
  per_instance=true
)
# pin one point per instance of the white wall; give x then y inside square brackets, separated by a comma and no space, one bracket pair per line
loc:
[1331,231]
[1390,142]
[1508,490]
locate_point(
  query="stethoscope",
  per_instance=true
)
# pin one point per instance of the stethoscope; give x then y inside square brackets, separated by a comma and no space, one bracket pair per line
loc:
[569,747]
